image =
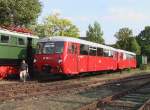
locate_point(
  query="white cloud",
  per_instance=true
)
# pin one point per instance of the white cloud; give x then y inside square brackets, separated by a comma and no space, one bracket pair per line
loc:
[80,18]
[124,14]
[56,11]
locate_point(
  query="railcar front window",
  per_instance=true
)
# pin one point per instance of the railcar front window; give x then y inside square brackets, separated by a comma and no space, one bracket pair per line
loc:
[48,48]
[59,46]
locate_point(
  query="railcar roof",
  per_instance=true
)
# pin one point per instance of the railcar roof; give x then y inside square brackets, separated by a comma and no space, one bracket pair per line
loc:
[127,52]
[75,40]
[5,31]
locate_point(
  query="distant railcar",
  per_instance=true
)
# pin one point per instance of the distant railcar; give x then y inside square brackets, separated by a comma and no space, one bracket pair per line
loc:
[14,46]
[126,59]
[70,56]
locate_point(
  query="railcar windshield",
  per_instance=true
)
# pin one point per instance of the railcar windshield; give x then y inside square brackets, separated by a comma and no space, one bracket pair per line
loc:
[50,47]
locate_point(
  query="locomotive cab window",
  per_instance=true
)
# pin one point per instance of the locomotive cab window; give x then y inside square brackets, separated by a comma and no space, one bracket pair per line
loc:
[106,52]
[21,41]
[4,39]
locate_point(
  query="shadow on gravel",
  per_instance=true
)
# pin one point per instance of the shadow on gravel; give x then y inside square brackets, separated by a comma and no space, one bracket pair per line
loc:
[43,78]
[46,77]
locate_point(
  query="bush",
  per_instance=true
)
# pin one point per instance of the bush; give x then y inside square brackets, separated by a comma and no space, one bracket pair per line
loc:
[129,69]
[143,67]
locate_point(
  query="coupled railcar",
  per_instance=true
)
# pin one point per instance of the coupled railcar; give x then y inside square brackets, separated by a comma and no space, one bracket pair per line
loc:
[70,56]
[14,46]
[126,59]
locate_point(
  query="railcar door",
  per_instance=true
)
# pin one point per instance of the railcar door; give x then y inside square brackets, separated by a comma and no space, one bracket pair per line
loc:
[92,59]
[83,58]
[71,59]
[115,57]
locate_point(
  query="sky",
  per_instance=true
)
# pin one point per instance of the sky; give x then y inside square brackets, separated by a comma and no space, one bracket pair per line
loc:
[111,14]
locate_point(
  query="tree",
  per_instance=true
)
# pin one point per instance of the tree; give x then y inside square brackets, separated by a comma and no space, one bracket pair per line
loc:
[126,41]
[38,29]
[19,12]
[95,33]
[122,37]
[55,26]
[144,41]
[134,46]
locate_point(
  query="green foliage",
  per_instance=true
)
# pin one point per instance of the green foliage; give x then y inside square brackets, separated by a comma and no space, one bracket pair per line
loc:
[126,41]
[95,33]
[129,70]
[144,41]
[122,36]
[38,29]
[134,46]
[55,26]
[19,12]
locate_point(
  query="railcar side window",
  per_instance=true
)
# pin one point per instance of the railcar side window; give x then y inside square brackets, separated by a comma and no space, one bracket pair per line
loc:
[111,53]
[84,49]
[121,55]
[92,51]
[129,56]
[99,51]
[132,56]
[106,52]
[4,39]
[21,41]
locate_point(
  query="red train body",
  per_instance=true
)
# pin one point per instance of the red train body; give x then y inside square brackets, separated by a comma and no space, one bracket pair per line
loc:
[70,56]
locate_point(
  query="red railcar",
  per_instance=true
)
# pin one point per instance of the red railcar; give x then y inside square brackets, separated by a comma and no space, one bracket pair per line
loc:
[126,59]
[66,55]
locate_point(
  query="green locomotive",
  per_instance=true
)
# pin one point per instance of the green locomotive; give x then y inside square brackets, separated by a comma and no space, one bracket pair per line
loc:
[14,47]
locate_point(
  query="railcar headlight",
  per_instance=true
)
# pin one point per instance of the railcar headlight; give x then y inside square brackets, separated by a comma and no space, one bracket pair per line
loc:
[60,61]
[35,60]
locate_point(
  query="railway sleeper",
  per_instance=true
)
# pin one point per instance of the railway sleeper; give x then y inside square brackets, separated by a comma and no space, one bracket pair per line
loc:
[135,97]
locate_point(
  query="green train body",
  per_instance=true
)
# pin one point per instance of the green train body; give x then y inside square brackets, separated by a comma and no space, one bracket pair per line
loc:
[141,60]
[14,47]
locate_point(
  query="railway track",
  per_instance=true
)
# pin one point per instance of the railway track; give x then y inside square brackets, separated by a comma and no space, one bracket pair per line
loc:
[30,89]
[134,98]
